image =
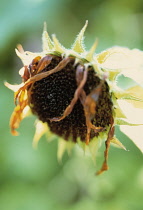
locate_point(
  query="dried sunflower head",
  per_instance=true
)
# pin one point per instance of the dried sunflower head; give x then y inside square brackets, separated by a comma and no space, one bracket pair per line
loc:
[74,93]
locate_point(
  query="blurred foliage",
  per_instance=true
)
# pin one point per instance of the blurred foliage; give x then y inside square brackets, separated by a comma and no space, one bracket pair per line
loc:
[33,179]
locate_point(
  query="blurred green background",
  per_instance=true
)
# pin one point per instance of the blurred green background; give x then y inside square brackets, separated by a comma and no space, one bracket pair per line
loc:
[33,179]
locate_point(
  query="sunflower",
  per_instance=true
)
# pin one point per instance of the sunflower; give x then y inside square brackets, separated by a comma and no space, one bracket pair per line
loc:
[75,94]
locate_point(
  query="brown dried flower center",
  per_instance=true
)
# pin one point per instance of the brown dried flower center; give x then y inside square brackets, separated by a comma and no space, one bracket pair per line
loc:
[50,97]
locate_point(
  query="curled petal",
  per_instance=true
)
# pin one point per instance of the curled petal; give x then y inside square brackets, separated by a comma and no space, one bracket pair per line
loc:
[136,91]
[26,57]
[122,121]
[15,88]
[135,133]
[41,129]
[133,94]
[129,62]
[133,115]
[18,114]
